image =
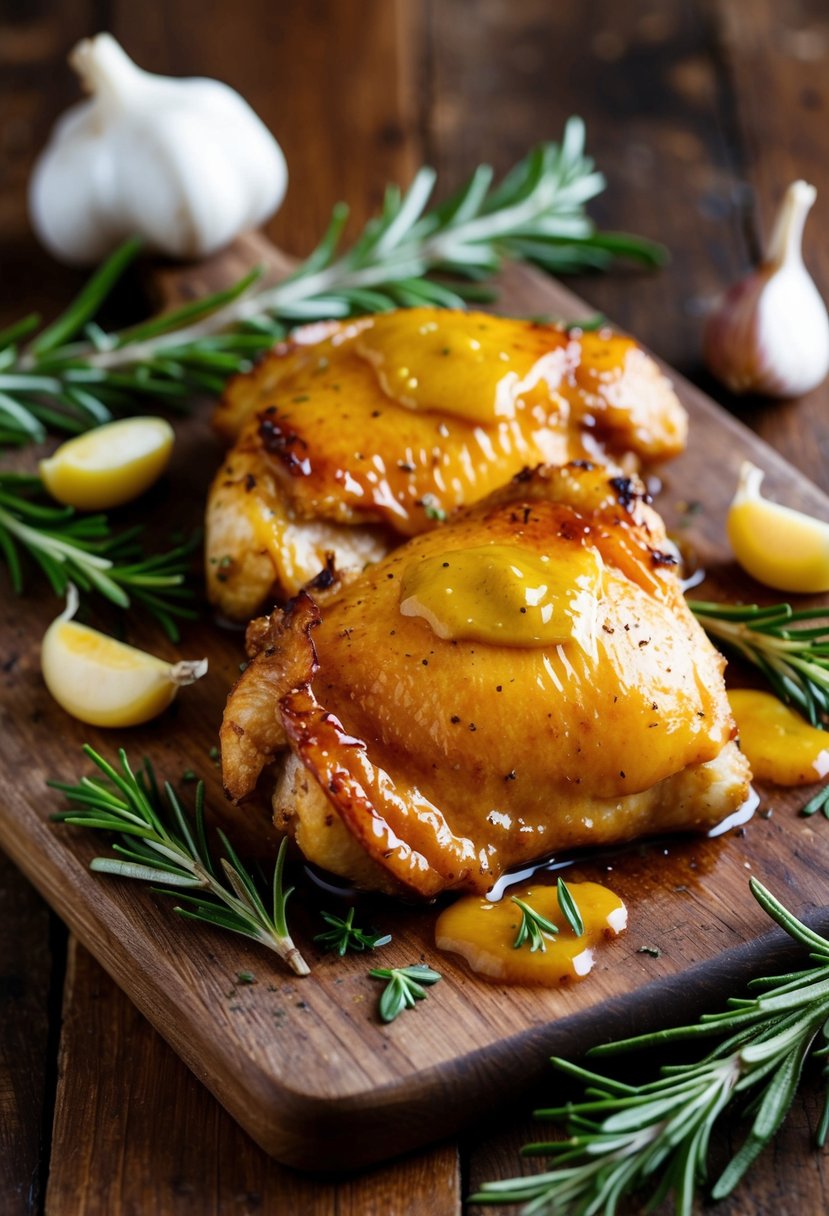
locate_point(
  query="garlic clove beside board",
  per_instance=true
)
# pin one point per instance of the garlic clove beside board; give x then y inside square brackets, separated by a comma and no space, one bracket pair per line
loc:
[770,335]
[184,164]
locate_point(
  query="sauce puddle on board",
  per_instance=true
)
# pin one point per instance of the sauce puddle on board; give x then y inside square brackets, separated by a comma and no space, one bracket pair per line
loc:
[779,744]
[484,933]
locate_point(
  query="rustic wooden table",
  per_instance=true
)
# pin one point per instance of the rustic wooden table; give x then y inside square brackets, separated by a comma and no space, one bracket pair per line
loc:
[699,112]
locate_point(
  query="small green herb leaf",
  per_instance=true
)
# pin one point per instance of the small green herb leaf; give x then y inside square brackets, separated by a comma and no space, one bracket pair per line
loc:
[432,508]
[569,908]
[533,928]
[403,988]
[820,802]
[344,935]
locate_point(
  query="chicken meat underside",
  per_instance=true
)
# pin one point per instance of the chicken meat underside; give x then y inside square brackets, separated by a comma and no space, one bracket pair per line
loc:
[332,455]
[405,761]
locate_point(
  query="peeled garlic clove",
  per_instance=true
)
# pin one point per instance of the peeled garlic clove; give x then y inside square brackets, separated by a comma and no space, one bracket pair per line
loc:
[104,682]
[778,546]
[770,334]
[109,466]
[185,164]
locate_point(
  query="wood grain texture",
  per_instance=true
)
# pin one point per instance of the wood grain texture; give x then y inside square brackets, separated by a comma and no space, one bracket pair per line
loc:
[25,969]
[777,59]
[334,82]
[306,1063]
[645,80]
[790,1177]
[620,66]
[151,1130]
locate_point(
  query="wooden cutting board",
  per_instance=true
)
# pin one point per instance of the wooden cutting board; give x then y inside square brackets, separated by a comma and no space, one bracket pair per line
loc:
[305,1064]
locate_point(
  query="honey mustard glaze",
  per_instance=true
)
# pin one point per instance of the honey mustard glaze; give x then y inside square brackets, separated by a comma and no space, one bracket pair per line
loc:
[484,933]
[476,370]
[506,595]
[780,745]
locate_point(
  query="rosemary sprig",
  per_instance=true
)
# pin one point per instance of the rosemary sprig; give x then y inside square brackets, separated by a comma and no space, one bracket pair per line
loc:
[344,935]
[656,1136]
[404,987]
[790,648]
[82,549]
[158,843]
[533,928]
[74,375]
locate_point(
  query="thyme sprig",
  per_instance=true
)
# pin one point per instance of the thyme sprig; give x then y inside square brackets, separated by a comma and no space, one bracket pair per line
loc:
[629,1138]
[790,647]
[345,935]
[404,987]
[533,928]
[82,549]
[158,842]
[75,375]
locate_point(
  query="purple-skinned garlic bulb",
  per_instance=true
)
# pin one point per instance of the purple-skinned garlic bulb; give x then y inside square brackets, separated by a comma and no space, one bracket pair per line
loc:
[770,334]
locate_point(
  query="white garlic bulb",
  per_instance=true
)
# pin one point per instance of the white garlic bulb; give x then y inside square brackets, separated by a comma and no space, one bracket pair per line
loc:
[185,164]
[770,334]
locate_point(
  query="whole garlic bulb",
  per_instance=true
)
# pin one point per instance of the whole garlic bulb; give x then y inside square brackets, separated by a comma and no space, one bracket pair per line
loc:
[185,164]
[770,334]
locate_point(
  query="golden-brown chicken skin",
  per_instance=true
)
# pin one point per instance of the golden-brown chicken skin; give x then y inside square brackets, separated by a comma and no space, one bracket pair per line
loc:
[355,434]
[405,760]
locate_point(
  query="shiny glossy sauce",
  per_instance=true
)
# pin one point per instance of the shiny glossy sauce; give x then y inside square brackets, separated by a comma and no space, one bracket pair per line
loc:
[483,933]
[506,595]
[475,371]
[780,745]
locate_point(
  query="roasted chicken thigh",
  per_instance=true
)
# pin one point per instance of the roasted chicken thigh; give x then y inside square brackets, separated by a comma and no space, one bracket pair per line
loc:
[355,434]
[526,679]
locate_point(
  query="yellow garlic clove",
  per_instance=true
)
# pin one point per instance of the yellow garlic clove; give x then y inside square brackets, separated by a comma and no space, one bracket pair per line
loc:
[778,546]
[109,466]
[104,682]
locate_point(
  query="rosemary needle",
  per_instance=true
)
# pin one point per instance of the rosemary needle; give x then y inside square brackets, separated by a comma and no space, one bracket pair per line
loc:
[75,375]
[157,842]
[82,549]
[569,908]
[534,928]
[789,647]
[344,935]
[653,1139]
[404,987]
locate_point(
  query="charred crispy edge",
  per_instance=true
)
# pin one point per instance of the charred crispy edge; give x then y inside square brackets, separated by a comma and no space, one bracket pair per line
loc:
[320,740]
[227,420]
[284,642]
[245,753]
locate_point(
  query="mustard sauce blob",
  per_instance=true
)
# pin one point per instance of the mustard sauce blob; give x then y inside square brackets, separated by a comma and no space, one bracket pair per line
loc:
[484,933]
[471,369]
[780,745]
[506,595]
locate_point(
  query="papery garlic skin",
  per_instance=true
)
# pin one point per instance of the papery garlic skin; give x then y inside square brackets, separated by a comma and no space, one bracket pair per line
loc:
[770,334]
[104,682]
[184,164]
[778,546]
